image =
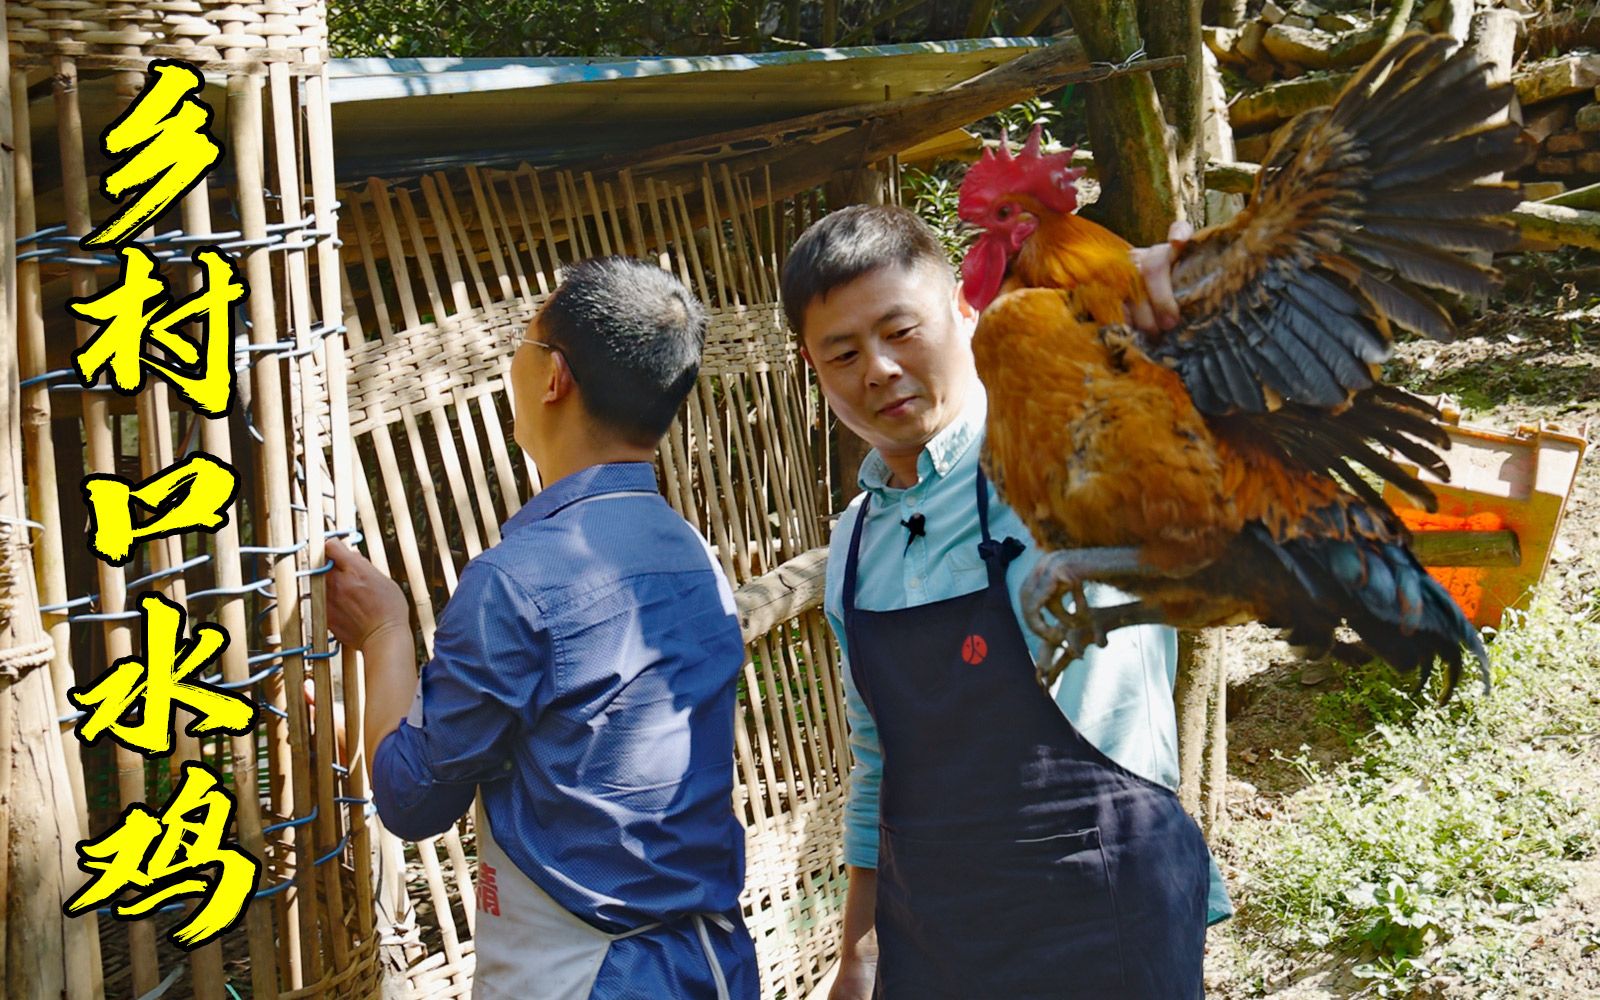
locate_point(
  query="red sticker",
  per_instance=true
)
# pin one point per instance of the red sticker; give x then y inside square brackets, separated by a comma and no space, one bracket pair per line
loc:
[974,648]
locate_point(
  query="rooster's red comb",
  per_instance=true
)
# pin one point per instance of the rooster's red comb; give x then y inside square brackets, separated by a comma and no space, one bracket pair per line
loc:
[1051,178]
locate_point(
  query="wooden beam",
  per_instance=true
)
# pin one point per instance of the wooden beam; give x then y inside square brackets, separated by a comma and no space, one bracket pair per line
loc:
[792,589]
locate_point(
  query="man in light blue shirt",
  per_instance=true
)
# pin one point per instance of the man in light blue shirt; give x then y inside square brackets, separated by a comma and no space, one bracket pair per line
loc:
[882,321]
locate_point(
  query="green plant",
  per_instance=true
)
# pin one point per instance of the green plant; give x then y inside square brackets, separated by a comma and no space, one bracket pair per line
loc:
[1446,830]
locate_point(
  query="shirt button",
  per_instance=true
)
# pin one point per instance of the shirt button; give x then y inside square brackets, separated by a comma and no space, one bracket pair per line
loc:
[916,583]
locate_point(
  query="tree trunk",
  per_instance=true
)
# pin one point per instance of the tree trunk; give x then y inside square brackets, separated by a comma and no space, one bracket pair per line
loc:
[1126,129]
[1231,13]
[865,186]
[1399,16]
[1493,36]
[42,953]
[1202,722]
[1172,28]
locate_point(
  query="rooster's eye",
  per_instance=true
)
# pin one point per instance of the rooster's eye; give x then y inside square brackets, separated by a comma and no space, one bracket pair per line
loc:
[1005,211]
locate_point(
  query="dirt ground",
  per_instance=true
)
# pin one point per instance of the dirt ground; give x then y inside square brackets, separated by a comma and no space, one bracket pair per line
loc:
[1533,359]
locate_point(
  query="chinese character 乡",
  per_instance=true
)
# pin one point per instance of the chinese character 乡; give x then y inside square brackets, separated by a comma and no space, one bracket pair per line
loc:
[167,131]
[159,683]
[138,309]
[160,857]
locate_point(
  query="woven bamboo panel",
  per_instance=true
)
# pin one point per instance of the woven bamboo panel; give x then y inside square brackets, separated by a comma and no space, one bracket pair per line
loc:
[214,35]
[309,931]
[443,275]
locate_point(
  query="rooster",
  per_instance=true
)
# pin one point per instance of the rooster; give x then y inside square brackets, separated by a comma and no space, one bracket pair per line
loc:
[1215,471]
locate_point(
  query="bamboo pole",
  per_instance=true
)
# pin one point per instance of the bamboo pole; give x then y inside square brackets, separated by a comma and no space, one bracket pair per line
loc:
[230,614]
[327,827]
[39,460]
[102,458]
[292,794]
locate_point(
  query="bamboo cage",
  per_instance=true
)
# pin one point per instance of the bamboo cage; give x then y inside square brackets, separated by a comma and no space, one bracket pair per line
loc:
[310,930]
[372,364]
[443,275]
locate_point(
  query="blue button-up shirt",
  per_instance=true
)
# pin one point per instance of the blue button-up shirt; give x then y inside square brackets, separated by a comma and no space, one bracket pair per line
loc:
[583,678]
[1118,696]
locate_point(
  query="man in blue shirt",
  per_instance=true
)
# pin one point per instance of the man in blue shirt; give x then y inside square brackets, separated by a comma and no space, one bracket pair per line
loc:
[996,848]
[583,679]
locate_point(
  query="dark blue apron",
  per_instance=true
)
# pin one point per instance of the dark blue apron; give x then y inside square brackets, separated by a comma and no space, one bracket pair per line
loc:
[1015,859]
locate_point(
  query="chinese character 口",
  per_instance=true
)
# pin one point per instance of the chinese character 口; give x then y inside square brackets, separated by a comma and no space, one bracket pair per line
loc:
[159,856]
[191,496]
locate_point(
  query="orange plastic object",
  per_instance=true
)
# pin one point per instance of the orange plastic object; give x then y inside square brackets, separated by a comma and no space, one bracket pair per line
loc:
[1519,481]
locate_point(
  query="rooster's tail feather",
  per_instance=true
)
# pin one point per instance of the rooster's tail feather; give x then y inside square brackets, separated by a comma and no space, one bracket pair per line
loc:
[1379,589]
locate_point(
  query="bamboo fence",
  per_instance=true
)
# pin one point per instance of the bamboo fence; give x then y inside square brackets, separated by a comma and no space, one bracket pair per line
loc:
[372,368]
[443,274]
[310,929]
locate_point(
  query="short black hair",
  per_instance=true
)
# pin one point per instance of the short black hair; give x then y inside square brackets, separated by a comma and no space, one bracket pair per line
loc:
[632,336]
[843,246]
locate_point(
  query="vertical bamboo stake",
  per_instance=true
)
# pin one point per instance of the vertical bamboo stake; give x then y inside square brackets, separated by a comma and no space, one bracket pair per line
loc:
[641,247]
[540,277]
[380,302]
[474,453]
[44,505]
[577,231]
[165,555]
[447,248]
[41,950]
[727,298]
[452,219]
[549,233]
[504,220]
[378,192]
[230,614]
[685,238]
[294,796]
[430,497]
[102,458]
[423,258]
[490,234]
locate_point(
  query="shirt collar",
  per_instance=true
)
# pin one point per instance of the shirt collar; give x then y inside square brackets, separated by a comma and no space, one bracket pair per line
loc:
[611,477]
[939,455]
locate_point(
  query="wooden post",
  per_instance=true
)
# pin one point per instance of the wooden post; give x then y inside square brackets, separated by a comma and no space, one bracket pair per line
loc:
[863,186]
[1172,28]
[1126,129]
[38,819]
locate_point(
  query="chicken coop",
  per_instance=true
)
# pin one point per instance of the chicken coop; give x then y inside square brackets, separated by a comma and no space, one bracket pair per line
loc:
[398,222]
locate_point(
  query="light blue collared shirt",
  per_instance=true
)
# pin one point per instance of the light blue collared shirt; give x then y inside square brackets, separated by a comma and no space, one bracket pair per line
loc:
[1119,696]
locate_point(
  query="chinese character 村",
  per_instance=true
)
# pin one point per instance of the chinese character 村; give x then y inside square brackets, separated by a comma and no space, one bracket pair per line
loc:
[138,309]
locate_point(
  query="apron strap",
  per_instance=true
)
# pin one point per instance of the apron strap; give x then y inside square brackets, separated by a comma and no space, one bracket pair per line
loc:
[700,920]
[996,555]
[854,555]
[711,955]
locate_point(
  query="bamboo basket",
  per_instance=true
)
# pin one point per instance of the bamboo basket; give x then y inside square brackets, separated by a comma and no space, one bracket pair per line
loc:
[310,929]
[443,275]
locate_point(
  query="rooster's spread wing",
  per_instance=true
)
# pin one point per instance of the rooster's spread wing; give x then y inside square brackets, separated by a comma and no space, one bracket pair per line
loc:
[1291,305]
